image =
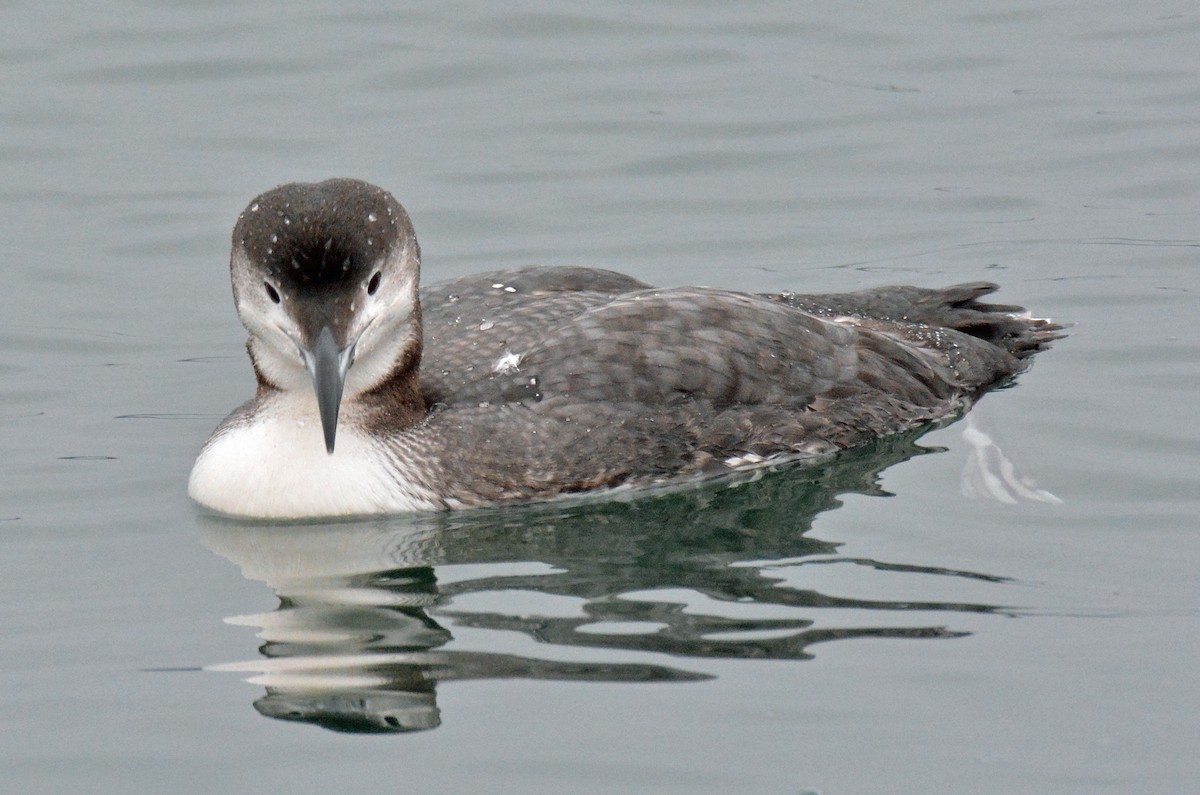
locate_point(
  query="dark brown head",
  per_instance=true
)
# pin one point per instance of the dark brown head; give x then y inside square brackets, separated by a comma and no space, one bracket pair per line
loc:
[325,277]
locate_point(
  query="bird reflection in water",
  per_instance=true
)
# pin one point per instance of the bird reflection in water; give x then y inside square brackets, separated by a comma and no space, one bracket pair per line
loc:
[363,633]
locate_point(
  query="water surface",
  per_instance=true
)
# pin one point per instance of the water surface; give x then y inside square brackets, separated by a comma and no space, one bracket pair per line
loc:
[863,626]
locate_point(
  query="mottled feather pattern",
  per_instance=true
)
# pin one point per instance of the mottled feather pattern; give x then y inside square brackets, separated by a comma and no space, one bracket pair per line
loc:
[675,382]
[472,322]
[660,345]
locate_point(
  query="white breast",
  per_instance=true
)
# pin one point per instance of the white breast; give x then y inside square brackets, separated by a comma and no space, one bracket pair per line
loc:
[276,467]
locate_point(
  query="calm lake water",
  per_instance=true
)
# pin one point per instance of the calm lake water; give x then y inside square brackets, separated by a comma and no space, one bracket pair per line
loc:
[876,625]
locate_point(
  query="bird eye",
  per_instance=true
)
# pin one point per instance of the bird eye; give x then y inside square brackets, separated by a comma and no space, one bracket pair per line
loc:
[373,285]
[272,293]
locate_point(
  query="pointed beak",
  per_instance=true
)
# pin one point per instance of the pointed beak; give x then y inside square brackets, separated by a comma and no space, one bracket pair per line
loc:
[328,365]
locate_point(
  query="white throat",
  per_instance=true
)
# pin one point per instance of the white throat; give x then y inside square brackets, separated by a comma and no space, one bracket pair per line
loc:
[274,466]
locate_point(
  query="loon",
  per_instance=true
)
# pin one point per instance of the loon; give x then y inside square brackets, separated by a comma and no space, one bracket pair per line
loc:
[377,396]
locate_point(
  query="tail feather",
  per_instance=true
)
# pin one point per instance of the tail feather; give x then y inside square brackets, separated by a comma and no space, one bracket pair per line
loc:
[1004,325]
[957,307]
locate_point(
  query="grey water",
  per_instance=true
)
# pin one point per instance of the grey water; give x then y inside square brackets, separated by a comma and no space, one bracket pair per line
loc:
[899,619]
